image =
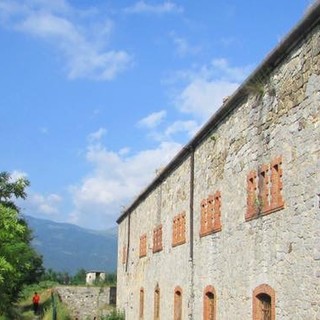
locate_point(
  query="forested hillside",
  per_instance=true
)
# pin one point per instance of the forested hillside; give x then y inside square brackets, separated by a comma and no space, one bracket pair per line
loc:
[68,248]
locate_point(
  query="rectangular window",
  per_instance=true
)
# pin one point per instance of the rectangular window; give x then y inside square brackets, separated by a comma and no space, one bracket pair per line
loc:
[143,246]
[204,217]
[264,190]
[251,195]
[276,184]
[179,229]
[157,239]
[217,212]
[124,254]
[210,214]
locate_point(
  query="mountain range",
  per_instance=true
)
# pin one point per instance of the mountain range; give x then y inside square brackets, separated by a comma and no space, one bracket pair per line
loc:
[68,248]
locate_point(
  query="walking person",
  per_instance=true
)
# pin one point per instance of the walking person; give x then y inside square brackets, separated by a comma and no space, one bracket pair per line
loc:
[35,301]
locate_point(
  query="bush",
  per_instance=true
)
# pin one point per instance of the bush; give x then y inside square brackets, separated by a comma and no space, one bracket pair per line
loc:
[60,309]
[114,315]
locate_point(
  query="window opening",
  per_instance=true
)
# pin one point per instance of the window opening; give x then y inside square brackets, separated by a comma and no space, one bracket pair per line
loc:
[178,304]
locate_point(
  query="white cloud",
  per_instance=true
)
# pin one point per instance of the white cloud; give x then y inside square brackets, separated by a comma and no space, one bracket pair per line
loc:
[202,98]
[116,179]
[82,43]
[152,120]
[190,127]
[221,68]
[207,86]
[165,7]
[44,205]
[98,135]
[182,46]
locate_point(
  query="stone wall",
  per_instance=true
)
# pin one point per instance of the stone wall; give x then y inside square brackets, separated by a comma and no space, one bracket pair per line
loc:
[85,303]
[278,119]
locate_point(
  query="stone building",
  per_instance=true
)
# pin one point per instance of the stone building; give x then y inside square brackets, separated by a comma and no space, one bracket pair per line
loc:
[230,228]
[95,276]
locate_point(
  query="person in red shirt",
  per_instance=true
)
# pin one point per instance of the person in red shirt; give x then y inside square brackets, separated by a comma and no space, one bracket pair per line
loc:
[35,301]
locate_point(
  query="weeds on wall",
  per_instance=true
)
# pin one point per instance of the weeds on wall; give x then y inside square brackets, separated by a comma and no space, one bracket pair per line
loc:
[114,315]
[257,86]
[258,203]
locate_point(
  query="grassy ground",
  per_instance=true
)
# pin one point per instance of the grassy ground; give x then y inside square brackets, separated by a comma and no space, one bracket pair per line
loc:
[49,305]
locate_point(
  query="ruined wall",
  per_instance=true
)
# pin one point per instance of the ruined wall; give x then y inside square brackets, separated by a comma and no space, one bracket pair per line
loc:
[86,303]
[280,119]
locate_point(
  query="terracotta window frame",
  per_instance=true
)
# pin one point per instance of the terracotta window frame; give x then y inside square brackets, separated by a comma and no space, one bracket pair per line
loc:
[179,229]
[277,201]
[204,217]
[156,315]
[209,303]
[210,215]
[143,246]
[217,212]
[177,304]
[251,194]
[157,239]
[264,190]
[141,303]
[124,254]
[263,290]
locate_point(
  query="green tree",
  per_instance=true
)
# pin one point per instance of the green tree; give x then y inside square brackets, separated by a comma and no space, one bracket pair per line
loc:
[111,279]
[50,275]
[19,263]
[10,189]
[79,278]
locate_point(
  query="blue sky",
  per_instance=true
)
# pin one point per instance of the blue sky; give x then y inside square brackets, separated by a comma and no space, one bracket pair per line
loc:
[96,95]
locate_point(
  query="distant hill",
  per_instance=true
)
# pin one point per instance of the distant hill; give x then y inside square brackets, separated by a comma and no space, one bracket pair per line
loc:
[68,248]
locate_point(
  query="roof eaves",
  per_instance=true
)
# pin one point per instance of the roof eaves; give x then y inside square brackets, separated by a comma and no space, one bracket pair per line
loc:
[272,60]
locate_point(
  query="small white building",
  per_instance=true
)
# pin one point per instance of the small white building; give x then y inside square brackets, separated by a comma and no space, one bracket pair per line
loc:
[93,276]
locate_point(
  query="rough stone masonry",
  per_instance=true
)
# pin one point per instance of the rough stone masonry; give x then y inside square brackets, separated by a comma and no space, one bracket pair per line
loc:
[88,302]
[230,229]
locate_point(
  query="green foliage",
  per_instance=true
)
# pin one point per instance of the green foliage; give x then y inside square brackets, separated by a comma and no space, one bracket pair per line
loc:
[114,315]
[19,263]
[111,279]
[10,188]
[29,290]
[260,84]
[79,278]
[58,307]
[58,277]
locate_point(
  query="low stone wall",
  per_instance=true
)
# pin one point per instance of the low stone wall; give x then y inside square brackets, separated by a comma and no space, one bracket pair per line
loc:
[86,303]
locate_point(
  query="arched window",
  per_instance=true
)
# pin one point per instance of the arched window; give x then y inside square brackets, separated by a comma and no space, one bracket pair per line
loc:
[263,303]
[157,303]
[177,304]
[141,307]
[209,303]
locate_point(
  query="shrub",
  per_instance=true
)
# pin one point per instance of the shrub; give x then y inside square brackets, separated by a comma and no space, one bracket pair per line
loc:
[114,315]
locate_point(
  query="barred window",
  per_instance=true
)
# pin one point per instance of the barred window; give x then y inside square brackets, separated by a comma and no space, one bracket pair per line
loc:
[210,214]
[179,229]
[264,190]
[143,246]
[157,239]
